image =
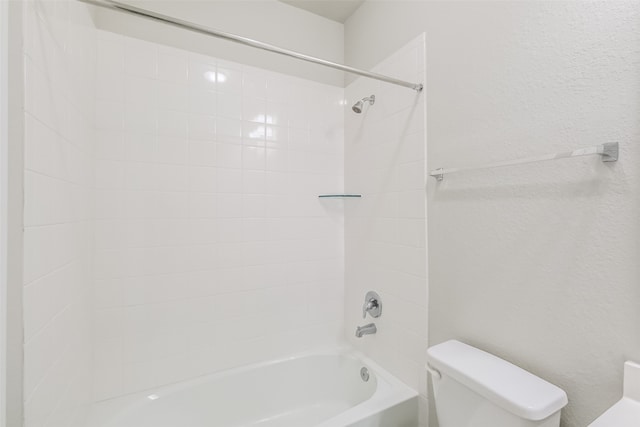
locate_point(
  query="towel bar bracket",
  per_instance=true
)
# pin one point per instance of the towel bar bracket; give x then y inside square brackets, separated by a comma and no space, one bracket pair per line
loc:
[610,152]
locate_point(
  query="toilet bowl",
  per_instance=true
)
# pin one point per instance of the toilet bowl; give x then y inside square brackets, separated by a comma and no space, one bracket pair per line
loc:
[473,388]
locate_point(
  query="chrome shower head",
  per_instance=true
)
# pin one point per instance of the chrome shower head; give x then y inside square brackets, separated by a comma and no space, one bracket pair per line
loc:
[357,107]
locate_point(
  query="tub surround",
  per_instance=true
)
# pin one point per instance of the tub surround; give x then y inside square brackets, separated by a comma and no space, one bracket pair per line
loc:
[385,237]
[211,244]
[184,189]
[59,86]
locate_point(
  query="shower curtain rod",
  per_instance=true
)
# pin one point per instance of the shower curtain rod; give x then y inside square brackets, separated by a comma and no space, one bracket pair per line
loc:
[121,7]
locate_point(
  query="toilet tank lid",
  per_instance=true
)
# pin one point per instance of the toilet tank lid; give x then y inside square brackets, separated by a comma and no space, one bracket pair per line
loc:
[508,386]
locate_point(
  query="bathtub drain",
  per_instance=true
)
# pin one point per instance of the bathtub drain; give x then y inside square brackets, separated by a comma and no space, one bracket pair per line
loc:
[364,374]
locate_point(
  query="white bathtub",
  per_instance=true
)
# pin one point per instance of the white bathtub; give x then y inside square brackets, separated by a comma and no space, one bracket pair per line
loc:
[320,390]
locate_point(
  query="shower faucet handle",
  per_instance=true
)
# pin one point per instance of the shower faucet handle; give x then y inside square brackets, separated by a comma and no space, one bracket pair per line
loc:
[372,305]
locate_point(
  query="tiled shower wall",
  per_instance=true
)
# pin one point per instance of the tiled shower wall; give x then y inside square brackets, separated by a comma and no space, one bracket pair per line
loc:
[59,46]
[385,237]
[212,249]
[196,197]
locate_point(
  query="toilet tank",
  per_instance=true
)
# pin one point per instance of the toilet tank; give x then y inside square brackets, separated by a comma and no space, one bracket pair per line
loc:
[473,388]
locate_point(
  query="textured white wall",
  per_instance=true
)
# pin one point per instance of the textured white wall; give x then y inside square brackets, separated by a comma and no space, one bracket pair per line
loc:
[268,21]
[4,177]
[385,240]
[535,263]
[212,249]
[14,174]
[59,49]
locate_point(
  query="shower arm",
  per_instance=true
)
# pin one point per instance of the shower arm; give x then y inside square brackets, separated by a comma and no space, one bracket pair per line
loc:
[121,7]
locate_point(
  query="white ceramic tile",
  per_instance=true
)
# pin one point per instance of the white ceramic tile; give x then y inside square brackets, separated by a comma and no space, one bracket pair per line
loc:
[171,95]
[109,115]
[278,113]
[173,123]
[138,376]
[173,67]
[35,365]
[173,204]
[202,75]
[47,297]
[204,179]
[279,88]
[109,324]
[254,83]
[277,136]
[140,90]
[253,205]
[230,105]
[110,86]
[254,133]
[202,205]
[253,182]
[253,158]
[202,153]
[139,146]
[109,145]
[228,130]
[202,127]
[276,160]
[108,204]
[203,102]
[44,251]
[110,54]
[230,204]
[141,176]
[195,216]
[229,181]
[140,58]
[108,293]
[384,158]
[255,110]
[172,149]
[229,80]
[140,118]
[229,156]
[173,178]
[109,174]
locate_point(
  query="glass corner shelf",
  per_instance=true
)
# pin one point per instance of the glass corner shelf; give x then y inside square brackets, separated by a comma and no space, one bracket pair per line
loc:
[339,196]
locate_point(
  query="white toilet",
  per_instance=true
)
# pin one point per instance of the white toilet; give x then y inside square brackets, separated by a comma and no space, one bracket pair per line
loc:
[473,388]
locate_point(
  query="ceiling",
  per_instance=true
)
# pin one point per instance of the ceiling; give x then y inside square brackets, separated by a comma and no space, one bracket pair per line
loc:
[337,10]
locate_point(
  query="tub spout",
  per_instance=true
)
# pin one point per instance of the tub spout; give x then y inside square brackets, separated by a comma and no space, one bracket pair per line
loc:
[366,330]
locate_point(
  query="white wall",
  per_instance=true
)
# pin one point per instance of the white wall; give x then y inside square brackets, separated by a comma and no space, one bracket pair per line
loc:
[4,177]
[536,263]
[13,174]
[268,21]
[385,236]
[59,49]
[212,249]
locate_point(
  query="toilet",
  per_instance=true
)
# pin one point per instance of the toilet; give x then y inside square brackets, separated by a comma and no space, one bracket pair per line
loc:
[473,388]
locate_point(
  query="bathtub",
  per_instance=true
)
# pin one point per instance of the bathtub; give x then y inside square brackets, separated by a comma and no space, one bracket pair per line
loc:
[319,390]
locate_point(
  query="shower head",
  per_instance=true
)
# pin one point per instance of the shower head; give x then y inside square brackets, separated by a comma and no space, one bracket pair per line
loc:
[357,107]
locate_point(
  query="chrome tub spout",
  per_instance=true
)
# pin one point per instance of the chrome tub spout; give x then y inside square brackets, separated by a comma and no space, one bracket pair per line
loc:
[366,330]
